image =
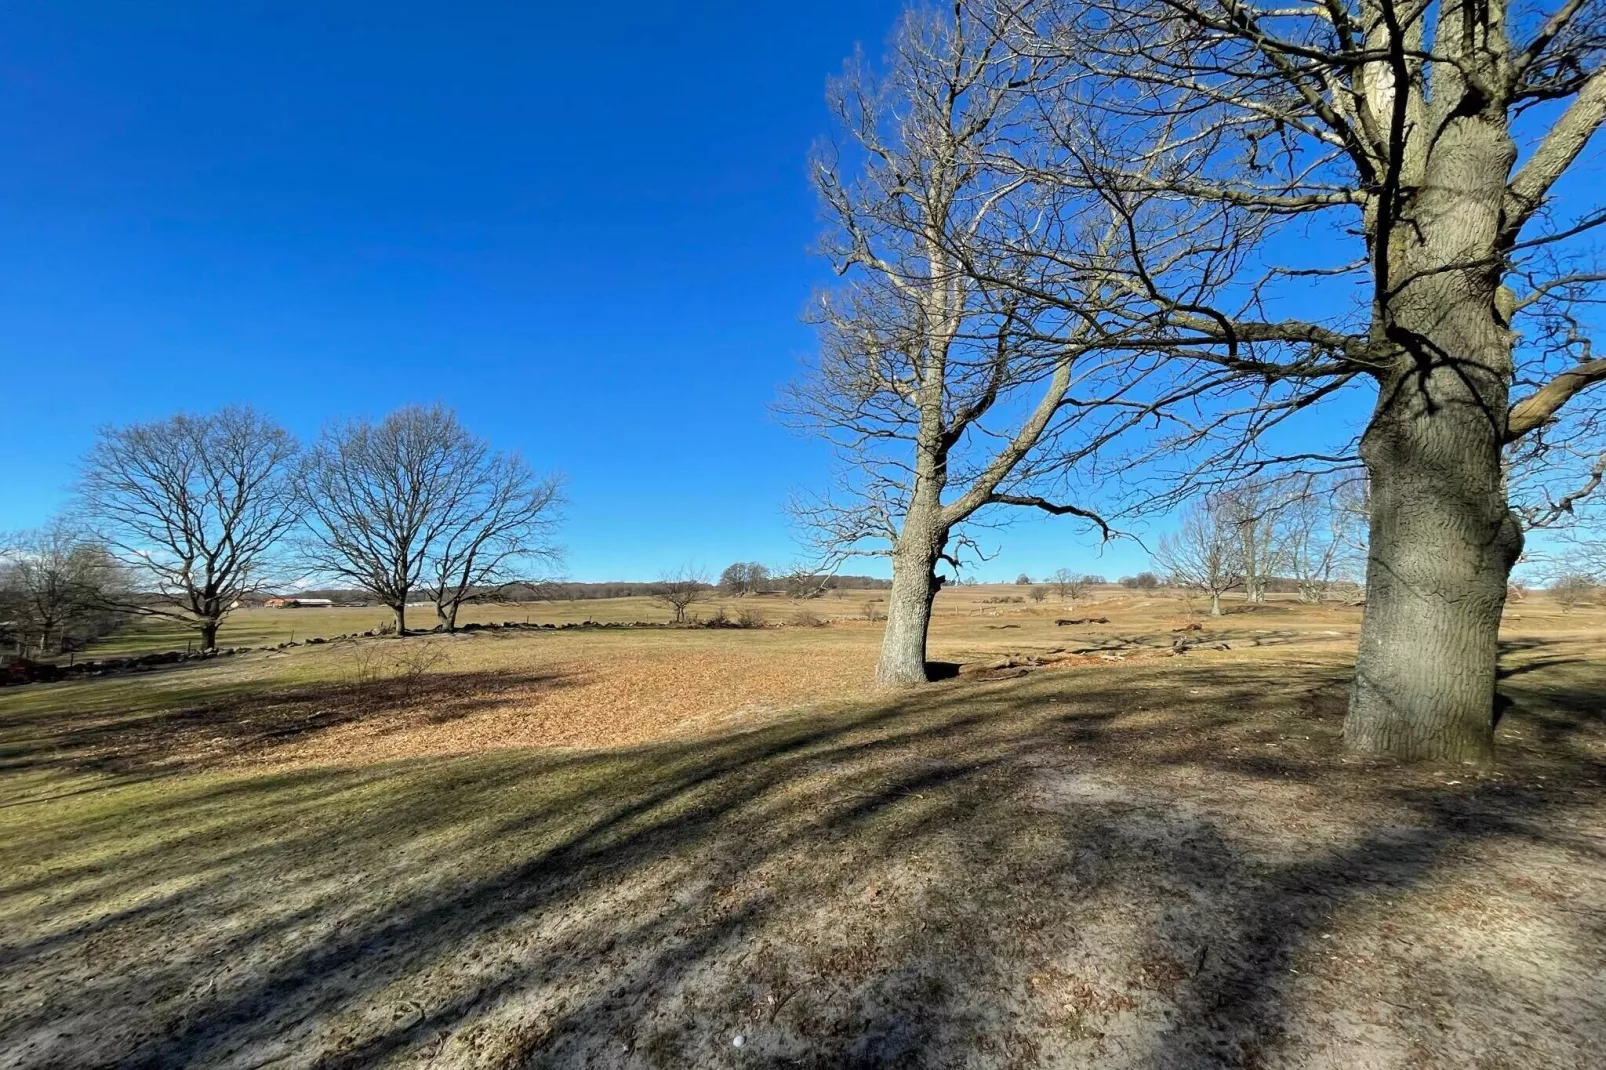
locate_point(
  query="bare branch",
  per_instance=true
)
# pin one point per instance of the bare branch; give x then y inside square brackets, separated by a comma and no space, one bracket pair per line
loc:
[1542,405]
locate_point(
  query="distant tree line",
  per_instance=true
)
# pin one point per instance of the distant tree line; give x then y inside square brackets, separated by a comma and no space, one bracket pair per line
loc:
[773,583]
[189,517]
[750,577]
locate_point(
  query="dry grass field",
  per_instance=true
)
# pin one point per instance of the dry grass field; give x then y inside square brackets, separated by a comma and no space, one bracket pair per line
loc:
[260,627]
[722,848]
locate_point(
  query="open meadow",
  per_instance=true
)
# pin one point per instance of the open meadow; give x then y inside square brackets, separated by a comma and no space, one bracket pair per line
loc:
[793,322]
[260,626]
[721,847]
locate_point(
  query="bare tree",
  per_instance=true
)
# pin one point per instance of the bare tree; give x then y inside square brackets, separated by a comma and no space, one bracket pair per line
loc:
[1205,554]
[56,587]
[682,589]
[383,502]
[1430,137]
[1324,533]
[1571,590]
[734,579]
[195,507]
[501,528]
[799,582]
[944,395]
[744,578]
[1255,509]
[1069,585]
[1577,550]
[1143,581]
[1588,555]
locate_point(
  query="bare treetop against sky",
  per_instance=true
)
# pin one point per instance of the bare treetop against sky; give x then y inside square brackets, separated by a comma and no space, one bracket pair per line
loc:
[553,218]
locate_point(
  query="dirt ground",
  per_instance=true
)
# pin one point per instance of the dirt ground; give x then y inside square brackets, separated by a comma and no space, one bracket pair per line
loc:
[707,848]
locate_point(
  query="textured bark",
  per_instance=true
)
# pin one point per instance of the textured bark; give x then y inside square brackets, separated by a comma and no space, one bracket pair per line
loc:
[1442,546]
[1254,576]
[914,589]
[1215,603]
[1442,537]
[401,619]
[209,634]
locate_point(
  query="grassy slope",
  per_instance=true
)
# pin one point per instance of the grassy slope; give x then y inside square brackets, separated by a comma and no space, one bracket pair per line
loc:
[1156,865]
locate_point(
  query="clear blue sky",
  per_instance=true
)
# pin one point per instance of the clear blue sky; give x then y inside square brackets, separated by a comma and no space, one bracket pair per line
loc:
[586,227]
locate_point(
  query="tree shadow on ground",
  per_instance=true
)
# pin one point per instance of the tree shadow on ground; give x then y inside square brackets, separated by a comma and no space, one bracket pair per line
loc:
[1125,868]
[250,720]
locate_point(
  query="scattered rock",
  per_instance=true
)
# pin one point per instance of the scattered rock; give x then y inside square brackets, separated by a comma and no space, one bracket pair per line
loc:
[27,671]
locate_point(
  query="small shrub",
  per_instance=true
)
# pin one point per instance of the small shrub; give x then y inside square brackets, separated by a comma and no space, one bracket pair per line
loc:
[748,618]
[1039,594]
[805,618]
[367,668]
[393,670]
[415,662]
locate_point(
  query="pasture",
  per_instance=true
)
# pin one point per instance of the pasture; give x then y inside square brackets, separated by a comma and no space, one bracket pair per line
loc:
[708,847]
[259,626]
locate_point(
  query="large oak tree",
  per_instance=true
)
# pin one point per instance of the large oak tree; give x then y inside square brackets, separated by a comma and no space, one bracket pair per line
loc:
[195,507]
[1424,144]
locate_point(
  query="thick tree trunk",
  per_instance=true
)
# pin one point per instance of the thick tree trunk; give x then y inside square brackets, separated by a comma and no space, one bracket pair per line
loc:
[1442,537]
[1215,603]
[914,588]
[1441,549]
[209,634]
[401,620]
[1254,584]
